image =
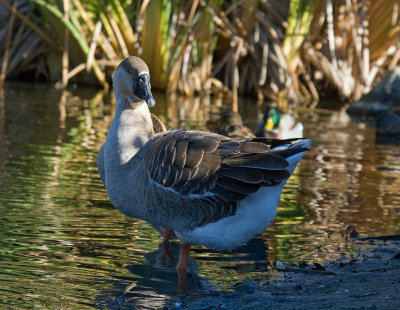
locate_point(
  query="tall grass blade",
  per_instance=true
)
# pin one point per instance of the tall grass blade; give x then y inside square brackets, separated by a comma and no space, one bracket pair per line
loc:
[6,56]
[77,35]
[30,23]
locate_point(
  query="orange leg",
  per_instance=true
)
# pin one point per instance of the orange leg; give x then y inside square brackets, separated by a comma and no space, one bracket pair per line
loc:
[182,268]
[167,234]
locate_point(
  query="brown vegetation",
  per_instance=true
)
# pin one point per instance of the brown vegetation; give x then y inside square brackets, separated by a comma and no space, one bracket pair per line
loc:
[294,49]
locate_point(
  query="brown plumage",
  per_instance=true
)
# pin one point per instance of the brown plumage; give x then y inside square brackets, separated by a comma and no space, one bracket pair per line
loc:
[158,126]
[194,162]
[134,66]
[231,125]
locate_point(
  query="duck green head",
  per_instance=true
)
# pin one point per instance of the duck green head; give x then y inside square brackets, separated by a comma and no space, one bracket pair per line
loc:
[271,119]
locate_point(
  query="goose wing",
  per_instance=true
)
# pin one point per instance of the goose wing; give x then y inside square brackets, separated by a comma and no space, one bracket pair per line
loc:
[207,164]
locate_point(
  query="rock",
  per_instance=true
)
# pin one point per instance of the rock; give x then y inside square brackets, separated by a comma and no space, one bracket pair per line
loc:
[210,303]
[261,297]
[388,123]
[383,97]
[388,128]
[255,305]
[247,286]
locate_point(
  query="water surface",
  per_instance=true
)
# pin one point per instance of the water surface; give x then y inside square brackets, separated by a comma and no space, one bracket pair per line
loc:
[63,245]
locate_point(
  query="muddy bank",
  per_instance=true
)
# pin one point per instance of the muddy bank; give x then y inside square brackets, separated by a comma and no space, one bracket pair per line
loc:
[368,280]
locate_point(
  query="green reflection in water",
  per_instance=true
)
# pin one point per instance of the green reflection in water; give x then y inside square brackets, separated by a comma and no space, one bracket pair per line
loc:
[62,244]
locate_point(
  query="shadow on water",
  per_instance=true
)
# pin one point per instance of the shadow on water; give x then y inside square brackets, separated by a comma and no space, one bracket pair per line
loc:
[63,245]
[151,284]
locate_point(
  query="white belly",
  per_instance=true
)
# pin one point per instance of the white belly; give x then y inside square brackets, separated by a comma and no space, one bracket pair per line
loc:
[253,215]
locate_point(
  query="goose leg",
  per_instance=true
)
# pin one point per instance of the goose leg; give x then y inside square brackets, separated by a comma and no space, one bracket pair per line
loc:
[167,234]
[182,267]
[166,254]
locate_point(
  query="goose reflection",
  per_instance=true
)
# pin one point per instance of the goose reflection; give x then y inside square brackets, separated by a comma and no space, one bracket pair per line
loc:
[155,284]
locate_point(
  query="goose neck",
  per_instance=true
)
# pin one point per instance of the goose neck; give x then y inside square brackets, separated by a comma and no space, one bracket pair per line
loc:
[130,130]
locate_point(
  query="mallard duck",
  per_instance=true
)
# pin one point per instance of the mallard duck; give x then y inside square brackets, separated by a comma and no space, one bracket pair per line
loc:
[231,125]
[276,125]
[209,189]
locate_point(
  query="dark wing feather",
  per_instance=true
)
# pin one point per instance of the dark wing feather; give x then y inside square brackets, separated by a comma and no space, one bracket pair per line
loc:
[253,147]
[247,175]
[193,156]
[260,161]
[237,185]
[194,162]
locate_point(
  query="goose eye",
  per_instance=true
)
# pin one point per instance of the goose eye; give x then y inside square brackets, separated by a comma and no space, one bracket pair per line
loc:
[130,72]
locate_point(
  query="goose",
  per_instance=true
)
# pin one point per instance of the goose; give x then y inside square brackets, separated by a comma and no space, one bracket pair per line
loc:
[208,189]
[231,125]
[276,125]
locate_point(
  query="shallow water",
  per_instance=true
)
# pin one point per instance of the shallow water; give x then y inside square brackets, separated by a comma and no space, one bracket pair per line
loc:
[63,245]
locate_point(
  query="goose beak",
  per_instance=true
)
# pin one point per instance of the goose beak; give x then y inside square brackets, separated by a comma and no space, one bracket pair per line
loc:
[143,90]
[151,102]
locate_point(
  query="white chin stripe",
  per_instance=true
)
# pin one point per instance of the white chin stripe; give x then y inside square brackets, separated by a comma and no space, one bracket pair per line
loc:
[143,72]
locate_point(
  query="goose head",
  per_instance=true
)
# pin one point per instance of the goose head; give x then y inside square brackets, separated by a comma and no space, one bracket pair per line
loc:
[131,83]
